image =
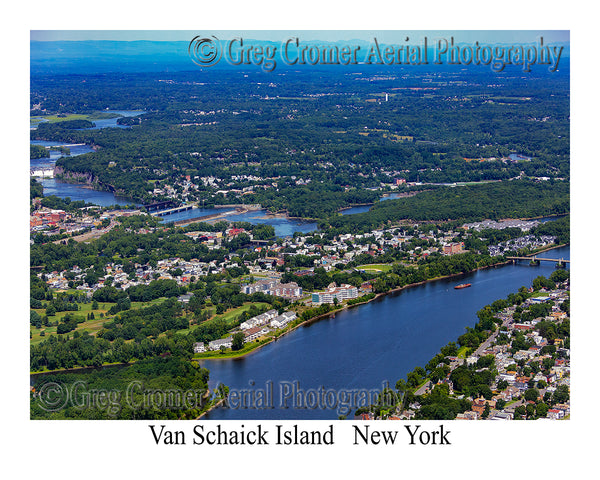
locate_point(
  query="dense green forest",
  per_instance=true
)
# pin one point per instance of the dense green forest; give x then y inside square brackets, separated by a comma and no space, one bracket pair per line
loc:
[37,151]
[516,199]
[312,144]
[127,393]
[35,188]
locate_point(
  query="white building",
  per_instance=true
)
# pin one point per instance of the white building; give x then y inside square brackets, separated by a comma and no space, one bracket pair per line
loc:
[283,319]
[341,293]
[261,319]
[222,342]
[255,332]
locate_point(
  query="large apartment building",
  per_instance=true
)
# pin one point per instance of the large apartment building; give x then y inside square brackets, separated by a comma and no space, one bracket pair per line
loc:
[343,292]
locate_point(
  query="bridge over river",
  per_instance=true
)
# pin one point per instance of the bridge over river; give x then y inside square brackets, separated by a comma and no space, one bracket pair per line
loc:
[534,259]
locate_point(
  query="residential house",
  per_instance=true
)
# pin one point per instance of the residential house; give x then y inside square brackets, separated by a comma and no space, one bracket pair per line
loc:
[222,342]
[255,332]
[453,248]
[555,414]
[261,319]
[283,319]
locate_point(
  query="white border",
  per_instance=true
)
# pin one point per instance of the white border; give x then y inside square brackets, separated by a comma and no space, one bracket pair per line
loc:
[486,449]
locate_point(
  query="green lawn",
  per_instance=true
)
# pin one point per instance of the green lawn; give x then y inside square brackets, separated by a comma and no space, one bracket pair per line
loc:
[375,267]
[229,316]
[92,326]
[462,352]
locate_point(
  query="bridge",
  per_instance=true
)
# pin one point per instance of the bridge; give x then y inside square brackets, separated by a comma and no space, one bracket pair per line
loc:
[160,205]
[560,261]
[181,208]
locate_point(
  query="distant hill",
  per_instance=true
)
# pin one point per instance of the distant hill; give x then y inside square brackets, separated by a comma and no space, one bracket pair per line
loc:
[93,56]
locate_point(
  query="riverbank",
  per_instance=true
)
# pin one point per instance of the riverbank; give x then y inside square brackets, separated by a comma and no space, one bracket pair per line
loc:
[212,407]
[332,313]
[342,308]
[78,369]
[542,250]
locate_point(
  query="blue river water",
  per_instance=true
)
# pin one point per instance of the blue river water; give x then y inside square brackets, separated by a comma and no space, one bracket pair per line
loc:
[75,192]
[78,191]
[366,347]
[366,208]
[112,122]
[49,162]
[283,226]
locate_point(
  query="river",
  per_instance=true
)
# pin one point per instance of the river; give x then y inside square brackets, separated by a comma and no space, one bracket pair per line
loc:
[79,191]
[283,226]
[112,122]
[75,191]
[366,208]
[366,347]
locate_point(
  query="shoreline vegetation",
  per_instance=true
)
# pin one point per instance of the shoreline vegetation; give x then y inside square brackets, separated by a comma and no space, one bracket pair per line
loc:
[283,214]
[243,352]
[247,350]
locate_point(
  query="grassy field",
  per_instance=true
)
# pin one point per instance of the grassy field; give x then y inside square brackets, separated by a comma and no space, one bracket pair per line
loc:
[228,316]
[375,267]
[462,352]
[92,326]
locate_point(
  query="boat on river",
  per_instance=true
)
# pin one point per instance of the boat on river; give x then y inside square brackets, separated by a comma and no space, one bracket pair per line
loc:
[462,285]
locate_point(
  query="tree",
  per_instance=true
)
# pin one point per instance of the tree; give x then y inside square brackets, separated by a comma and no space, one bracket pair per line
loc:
[530,409]
[531,394]
[559,275]
[541,410]
[561,394]
[35,319]
[237,342]
[520,412]
[449,350]
[542,282]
